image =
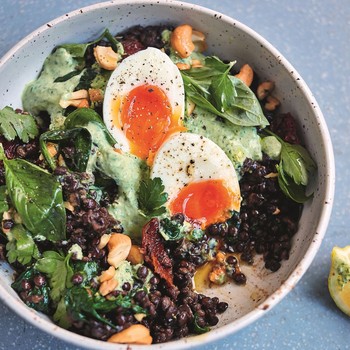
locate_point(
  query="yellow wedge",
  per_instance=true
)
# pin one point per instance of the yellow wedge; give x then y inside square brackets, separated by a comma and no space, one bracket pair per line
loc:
[339,278]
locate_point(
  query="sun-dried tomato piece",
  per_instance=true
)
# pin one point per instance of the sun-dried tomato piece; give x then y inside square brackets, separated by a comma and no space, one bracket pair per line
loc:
[285,126]
[155,254]
[132,46]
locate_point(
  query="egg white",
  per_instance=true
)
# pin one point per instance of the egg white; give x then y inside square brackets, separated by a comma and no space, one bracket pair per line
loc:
[188,157]
[150,66]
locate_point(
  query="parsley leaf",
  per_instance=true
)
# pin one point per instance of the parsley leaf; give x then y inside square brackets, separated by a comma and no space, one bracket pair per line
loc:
[4,206]
[59,271]
[21,246]
[151,197]
[13,125]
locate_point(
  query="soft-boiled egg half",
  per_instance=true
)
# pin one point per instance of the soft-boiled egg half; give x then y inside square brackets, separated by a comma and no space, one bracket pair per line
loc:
[199,178]
[144,102]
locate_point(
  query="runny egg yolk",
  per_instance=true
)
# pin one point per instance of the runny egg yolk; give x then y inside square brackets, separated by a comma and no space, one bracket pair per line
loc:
[207,201]
[147,119]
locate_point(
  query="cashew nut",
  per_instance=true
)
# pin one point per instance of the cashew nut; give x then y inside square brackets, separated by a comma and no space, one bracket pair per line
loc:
[106,57]
[135,256]
[107,274]
[183,66]
[246,74]
[108,286]
[135,334]
[197,64]
[264,89]
[198,39]
[119,246]
[77,99]
[104,239]
[181,40]
[68,206]
[190,106]
[272,103]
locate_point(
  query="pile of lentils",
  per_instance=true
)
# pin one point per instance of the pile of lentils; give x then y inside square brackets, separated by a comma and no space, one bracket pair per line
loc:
[265,225]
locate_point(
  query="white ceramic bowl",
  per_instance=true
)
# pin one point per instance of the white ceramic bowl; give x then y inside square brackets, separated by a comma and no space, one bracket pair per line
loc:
[229,39]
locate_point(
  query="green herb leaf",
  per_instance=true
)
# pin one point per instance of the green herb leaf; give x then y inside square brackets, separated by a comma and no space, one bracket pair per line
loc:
[297,162]
[217,65]
[290,188]
[294,170]
[214,90]
[21,247]
[67,77]
[171,230]
[78,50]
[81,139]
[37,197]
[82,303]
[198,329]
[41,293]
[13,124]
[4,206]
[151,197]
[81,117]
[59,271]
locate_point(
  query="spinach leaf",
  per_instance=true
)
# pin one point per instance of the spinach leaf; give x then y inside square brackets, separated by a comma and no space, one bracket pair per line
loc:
[41,294]
[171,230]
[81,117]
[81,139]
[78,50]
[59,271]
[151,197]
[88,270]
[67,77]
[37,197]
[13,125]
[21,246]
[82,303]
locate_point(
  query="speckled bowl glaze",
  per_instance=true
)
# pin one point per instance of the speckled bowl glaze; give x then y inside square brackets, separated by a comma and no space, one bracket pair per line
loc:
[229,39]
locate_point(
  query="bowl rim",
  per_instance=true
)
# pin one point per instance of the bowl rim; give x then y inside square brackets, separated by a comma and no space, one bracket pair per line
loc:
[50,328]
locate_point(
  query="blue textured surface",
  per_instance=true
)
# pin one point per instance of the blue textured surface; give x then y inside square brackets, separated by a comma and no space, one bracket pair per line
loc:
[314,37]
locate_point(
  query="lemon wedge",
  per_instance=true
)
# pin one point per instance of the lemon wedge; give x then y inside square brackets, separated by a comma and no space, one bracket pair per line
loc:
[339,278]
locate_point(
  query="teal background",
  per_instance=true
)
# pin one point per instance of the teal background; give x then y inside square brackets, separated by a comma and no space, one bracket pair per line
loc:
[314,37]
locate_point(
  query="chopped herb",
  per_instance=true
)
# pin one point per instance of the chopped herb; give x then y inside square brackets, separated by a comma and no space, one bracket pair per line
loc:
[151,197]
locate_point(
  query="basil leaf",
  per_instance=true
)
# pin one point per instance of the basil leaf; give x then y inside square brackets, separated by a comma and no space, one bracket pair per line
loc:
[79,50]
[81,139]
[245,108]
[21,247]
[13,125]
[81,117]
[214,90]
[216,64]
[37,197]
[290,188]
[221,90]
